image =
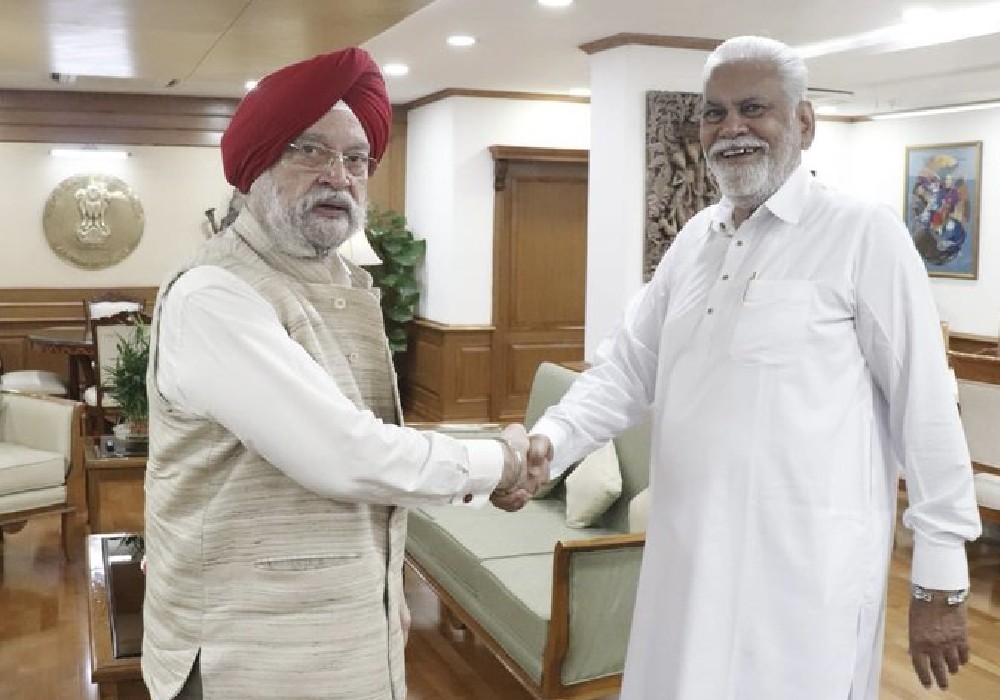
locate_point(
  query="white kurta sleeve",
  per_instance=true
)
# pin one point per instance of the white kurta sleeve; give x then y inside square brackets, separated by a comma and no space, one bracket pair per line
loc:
[900,337]
[223,355]
[616,392]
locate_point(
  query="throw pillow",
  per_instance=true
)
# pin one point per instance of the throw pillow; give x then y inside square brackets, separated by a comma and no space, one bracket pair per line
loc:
[546,489]
[593,486]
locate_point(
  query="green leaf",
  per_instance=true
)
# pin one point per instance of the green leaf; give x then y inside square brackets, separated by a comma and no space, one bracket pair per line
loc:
[401,254]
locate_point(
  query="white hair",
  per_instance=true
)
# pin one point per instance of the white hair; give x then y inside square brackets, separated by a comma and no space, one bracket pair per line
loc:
[789,65]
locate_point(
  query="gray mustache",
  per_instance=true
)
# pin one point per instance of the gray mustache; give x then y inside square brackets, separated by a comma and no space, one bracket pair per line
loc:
[329,198]
[741,142]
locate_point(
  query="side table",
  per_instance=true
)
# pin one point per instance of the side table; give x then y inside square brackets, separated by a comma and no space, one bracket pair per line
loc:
[115,493]
[114,601]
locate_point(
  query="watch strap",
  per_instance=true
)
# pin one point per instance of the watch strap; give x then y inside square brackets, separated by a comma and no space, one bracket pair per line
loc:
[927,595]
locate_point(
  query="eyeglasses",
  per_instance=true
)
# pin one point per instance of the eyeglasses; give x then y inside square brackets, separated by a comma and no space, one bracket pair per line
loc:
[312,156]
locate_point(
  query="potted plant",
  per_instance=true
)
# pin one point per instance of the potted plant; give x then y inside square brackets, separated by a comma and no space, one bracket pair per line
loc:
[401,254]
[127,376]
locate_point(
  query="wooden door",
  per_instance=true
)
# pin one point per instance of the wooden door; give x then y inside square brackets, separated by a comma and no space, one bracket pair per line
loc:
[539,268]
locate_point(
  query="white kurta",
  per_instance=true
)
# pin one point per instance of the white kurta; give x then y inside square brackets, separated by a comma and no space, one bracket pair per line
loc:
[791,366]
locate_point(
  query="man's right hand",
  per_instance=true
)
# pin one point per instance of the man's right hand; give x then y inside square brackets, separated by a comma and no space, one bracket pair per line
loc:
[523,471]
[540,454]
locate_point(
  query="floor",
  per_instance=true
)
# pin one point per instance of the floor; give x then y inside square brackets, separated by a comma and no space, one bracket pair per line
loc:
[44,649]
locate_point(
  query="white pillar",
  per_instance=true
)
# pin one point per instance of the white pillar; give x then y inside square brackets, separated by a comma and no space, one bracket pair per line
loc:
[619,80]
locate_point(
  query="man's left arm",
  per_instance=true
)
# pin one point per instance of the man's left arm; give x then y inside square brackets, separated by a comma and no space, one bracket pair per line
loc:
[899,334]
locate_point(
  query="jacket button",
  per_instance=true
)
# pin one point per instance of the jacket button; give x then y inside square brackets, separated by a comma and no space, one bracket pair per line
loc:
[352,357]
[340,303]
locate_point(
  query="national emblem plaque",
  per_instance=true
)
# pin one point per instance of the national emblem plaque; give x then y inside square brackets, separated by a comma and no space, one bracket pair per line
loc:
[93,221]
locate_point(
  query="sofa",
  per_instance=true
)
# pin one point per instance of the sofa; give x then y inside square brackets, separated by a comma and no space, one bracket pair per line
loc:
[41,442]
[553,602]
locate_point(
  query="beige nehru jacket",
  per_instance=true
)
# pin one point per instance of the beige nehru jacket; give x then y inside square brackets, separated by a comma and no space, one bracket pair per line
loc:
[286,594]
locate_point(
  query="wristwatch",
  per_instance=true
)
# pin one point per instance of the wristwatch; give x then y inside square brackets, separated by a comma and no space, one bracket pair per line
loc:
[927,595]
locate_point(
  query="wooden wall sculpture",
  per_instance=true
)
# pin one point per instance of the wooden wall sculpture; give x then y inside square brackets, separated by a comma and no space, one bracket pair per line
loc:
[678,182]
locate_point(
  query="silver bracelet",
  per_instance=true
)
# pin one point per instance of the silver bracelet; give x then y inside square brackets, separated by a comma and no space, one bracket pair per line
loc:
[518,461]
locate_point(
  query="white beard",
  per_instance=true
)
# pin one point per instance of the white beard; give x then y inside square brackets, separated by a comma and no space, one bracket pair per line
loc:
[295,229]
[750,185]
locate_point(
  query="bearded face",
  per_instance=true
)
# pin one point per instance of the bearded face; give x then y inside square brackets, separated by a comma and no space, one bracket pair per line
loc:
[752,133]
[311,209]
[748,169]
[318,222]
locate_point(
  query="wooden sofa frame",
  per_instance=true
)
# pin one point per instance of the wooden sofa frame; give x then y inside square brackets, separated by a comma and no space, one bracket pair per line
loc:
[557,638]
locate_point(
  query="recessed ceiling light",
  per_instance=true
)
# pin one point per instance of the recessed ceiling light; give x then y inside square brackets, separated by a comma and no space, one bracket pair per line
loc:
[555,3]
[461,40]
[580,92]
[250,85]
[395,69]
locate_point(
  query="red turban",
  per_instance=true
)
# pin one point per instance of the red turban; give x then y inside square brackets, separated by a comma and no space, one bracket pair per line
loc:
[289,100]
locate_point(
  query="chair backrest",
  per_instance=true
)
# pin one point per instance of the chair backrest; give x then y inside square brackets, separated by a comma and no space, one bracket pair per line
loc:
[107,332]
[110,303]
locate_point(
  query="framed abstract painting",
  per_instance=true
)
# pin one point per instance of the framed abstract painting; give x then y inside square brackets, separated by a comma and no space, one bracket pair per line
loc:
[942,206]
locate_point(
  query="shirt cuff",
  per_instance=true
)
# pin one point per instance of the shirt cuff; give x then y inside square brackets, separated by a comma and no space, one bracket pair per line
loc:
[485,469]
[939,567]
[557,435]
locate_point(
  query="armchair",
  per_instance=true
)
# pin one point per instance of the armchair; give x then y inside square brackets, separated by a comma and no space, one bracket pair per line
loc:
[34,381]
[41,444]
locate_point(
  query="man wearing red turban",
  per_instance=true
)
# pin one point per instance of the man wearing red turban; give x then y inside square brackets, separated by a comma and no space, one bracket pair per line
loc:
[278,471]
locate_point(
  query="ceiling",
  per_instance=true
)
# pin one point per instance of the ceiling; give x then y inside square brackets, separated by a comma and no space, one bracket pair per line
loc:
[211,47]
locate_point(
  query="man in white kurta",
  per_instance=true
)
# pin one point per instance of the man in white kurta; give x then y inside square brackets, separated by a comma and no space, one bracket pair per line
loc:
[788,353]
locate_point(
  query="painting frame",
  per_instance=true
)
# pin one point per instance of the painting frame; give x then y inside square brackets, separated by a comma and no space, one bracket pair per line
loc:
[941,206]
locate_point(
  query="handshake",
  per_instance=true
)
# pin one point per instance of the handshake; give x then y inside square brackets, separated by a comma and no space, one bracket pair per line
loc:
[525,467]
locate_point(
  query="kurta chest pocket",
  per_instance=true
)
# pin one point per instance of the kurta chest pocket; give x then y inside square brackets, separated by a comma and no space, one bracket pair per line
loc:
[772,322]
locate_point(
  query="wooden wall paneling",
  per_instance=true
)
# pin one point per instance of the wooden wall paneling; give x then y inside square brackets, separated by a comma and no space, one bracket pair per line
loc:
[448,372]
[387,187]
[975,367]
[41,116]
[422,385]
[972,344]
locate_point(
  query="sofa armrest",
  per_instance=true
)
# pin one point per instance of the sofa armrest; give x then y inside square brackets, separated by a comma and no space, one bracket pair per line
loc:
[43,423]
[593,595]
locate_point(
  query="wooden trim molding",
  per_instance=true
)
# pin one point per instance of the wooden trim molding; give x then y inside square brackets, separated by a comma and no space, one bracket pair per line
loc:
[41,116]
[635,39]
[981,367]
[491,94]
[447,375]
[971,343]
[503,156]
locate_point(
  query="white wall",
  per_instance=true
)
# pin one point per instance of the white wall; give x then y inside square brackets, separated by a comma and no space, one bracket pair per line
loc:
[175,185]
[869,158]
[619,80]
[449,190]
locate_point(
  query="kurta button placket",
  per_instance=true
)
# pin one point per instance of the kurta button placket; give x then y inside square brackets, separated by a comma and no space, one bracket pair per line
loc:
[340,303]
